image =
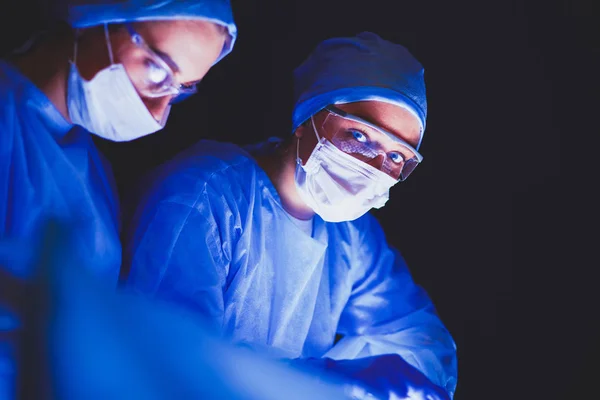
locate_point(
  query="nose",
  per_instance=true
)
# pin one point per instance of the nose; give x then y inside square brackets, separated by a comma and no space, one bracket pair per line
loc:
[377,162]
[158,106]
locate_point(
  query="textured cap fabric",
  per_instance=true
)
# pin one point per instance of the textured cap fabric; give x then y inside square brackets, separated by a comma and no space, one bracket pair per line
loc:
[361,68]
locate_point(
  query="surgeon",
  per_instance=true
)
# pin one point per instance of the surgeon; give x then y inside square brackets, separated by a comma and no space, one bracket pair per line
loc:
[274,243]
[113,70]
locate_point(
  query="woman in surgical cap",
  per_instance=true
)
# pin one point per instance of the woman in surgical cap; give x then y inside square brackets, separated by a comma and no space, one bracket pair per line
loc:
[274,243]
[113,71]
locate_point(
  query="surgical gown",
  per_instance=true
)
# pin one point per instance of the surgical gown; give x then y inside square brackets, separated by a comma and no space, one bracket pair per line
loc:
[50,169]
[211,235]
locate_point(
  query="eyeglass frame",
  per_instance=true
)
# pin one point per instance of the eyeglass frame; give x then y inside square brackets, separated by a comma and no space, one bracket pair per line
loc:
[180,91]
[343,114]
[332,109]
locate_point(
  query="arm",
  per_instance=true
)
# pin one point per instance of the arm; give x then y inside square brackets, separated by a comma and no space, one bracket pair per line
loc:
[387,313]
[175,251]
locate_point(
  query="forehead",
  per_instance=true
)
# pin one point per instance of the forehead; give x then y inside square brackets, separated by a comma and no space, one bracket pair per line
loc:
[193,45]
[391,117]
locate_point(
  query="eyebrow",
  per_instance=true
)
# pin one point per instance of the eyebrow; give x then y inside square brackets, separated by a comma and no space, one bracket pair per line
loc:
[163,56]
[391,136]
[398,134]
[394,136]
[174,67]
[166,58]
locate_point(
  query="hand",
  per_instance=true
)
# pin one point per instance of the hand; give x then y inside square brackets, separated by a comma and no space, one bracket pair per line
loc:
[386,377]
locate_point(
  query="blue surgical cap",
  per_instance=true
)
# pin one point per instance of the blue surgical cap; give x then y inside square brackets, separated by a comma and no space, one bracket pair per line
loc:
[361,68]
[86,13]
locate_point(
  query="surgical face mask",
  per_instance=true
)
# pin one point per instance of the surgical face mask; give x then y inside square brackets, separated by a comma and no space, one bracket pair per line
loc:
[108,105]
[337,186]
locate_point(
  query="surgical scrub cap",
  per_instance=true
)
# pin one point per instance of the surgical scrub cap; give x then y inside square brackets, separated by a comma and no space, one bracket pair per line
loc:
[86,13]
[361,68]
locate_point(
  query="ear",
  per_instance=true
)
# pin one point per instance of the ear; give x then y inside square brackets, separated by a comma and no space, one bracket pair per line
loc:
[300,131]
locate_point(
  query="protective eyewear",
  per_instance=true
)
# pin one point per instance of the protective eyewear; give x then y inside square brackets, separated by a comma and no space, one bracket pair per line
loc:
[370,143]
[152,76]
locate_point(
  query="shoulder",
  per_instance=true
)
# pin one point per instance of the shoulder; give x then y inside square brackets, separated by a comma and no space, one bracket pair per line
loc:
[209,157]
[8,75]
[207,169]
[361,230]
[26,110]
[14,87]
[8,99]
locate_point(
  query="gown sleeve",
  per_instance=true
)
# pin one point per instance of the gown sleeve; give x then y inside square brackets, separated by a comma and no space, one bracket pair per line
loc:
[388,313]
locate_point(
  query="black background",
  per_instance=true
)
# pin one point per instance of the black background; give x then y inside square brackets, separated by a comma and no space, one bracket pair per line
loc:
[490,222]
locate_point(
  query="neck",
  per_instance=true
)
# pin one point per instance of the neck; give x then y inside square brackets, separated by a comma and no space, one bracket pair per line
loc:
[280,167]
[47,66]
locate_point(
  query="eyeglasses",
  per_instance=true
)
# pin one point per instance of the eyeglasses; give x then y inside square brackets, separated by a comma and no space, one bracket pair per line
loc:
[369,143]
[151,74]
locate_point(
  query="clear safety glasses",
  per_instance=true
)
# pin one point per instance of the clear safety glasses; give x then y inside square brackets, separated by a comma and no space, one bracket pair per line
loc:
[150,73]
[370,143]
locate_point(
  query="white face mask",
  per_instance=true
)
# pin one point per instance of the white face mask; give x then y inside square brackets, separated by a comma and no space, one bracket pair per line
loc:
[108,105]
[337,186]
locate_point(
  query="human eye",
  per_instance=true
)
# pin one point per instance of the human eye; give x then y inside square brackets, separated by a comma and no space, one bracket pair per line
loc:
[396,157]
[156,74]
[359,136]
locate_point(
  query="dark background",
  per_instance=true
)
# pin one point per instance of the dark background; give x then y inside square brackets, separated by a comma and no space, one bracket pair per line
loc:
[490,222]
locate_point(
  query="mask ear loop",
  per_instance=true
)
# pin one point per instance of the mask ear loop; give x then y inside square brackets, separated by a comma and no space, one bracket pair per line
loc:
[298,159]
[75,45]
[108,45]
[312,121]
[110,52]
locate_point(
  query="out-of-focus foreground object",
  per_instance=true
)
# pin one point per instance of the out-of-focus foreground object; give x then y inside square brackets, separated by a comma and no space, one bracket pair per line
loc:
[82,340]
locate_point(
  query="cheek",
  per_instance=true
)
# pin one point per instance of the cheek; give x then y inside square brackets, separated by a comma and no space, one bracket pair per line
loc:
[137,73]
[194,69]
[157,107]
[90,61]
[307,145]
[199,59]
[194,62]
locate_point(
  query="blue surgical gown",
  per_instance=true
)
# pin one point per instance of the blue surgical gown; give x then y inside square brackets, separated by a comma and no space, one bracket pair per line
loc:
[50,169]
[211,235]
